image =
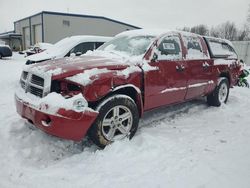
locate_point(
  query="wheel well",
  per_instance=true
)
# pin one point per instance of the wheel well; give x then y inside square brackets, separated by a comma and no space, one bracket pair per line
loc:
[226,75]
[129,91]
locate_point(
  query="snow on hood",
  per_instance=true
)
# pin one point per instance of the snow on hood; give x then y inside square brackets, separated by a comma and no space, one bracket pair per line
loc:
[89,76]
[67,67]
[50,53]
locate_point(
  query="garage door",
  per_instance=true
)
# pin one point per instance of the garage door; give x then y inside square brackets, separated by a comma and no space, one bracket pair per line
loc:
[37,33]
[26,36]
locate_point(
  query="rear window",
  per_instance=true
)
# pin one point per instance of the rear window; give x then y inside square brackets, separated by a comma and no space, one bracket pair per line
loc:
[221,49]
[194,48]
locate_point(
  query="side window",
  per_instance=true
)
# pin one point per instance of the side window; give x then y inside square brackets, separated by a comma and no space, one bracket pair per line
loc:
[220,49]
[83,48]
[194,48]
[98,44]
[170,48]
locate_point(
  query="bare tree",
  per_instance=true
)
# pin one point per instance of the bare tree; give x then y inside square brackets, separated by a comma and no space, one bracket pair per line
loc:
[200,29]
[214,32]
[243,34]
[225,30]
[187,29]
[248,15]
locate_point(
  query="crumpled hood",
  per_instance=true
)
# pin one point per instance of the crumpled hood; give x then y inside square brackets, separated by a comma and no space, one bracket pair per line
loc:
[66,67]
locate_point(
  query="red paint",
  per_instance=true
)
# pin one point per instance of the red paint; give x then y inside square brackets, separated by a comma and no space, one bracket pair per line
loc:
[67,124]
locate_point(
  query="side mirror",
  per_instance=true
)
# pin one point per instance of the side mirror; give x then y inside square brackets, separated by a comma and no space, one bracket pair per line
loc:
[155,57]
[241,61]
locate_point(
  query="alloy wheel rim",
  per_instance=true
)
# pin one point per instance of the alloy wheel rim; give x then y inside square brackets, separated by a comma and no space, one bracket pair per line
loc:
[117,123]
[223,92]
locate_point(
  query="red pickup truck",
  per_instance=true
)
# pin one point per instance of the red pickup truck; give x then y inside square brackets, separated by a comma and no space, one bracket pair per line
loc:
[104,93]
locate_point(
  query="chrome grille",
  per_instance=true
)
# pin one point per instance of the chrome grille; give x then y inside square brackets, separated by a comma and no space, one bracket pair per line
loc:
[35,91]
[37,80]
[34,84]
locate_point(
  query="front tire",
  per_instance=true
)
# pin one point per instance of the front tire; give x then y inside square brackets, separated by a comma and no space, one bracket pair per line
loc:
[220,93]
[118,118]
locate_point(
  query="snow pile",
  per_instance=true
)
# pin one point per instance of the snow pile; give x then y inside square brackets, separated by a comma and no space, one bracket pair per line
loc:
[188,145]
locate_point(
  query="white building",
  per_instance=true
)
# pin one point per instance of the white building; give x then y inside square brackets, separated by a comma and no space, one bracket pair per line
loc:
[53,26]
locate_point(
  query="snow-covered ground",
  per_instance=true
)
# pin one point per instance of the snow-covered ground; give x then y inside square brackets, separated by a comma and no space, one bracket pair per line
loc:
[189,145]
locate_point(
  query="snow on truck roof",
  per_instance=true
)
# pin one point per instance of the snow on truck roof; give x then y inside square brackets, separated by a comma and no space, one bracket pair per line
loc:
[154,32]
[219,40]
[139,32]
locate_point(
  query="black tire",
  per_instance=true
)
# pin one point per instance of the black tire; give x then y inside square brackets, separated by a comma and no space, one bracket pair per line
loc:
[1,56]
[99,132]
[214,98]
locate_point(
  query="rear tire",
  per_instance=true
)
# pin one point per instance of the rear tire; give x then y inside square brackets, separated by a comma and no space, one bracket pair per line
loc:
[118,118]
[220,93]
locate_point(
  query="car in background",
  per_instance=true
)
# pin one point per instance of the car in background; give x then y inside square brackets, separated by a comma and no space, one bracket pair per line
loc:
[74,45]
[5,51]
[38,48]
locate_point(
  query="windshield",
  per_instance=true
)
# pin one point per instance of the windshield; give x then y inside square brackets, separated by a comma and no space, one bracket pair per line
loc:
[127,45]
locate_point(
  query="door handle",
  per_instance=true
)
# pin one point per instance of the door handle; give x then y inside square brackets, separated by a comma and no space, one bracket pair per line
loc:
[205,65]
[180,68]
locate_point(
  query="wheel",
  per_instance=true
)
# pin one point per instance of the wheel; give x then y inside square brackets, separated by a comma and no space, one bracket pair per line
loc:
[220,93]
[1,56]
[118,118]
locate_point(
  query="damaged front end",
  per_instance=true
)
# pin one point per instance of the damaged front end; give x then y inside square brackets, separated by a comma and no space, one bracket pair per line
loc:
[65,115]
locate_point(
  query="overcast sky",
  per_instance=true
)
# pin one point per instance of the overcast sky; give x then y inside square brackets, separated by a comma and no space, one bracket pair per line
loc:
[170,14]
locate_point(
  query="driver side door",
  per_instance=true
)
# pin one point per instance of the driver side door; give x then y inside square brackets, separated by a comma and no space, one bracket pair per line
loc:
[166,82]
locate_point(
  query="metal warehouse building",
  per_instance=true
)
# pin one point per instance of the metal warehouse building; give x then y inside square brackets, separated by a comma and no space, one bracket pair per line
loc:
[243,50]
[53,26]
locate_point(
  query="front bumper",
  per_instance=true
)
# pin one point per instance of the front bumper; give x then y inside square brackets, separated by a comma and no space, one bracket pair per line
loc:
[66,124]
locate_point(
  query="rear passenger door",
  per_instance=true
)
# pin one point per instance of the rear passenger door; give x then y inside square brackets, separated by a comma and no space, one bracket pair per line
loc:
[199,66]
